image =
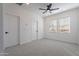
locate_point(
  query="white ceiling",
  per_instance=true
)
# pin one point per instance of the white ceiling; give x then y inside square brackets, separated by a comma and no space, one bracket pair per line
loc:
[62,6]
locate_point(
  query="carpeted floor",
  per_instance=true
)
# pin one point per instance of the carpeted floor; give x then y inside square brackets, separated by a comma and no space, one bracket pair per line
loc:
[43,47]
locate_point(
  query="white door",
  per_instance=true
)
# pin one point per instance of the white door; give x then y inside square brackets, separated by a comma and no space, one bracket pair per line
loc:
[11,30]
[35,30]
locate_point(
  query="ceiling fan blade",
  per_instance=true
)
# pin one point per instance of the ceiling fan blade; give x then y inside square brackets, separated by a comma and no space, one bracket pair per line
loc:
[45,11]
[49,5]
[54,9]
[19,4]
[42,9]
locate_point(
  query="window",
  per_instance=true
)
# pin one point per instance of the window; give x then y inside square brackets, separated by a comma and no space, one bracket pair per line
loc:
[53,26]
[64,24]
[60,25]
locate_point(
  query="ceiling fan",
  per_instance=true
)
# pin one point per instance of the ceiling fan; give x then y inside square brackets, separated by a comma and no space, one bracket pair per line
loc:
[49,8]
[19,4]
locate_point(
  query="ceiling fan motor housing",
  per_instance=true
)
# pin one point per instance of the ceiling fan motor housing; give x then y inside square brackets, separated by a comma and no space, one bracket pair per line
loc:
[19,4]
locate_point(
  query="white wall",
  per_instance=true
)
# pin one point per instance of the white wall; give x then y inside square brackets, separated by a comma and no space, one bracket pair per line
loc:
[78,26]
[40,27]
[1,28]
[68,37]
[28,17]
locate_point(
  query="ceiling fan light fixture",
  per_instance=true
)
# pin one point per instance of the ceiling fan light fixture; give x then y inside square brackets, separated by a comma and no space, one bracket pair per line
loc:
[48,8]
[27,3]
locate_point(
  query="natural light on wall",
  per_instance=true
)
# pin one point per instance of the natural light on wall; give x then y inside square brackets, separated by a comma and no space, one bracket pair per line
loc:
[64,24]
[53,26]
[60,25]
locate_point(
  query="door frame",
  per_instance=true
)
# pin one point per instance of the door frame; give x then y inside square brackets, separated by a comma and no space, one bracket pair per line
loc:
[18,23]
[36,29]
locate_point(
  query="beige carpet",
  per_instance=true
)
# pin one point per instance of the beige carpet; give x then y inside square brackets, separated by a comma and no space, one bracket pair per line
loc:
[43,47]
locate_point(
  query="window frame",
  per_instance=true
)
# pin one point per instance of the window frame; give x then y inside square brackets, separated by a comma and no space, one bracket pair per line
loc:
[58,24]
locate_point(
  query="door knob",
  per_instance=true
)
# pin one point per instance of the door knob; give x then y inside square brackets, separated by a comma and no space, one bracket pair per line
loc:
[6,32]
